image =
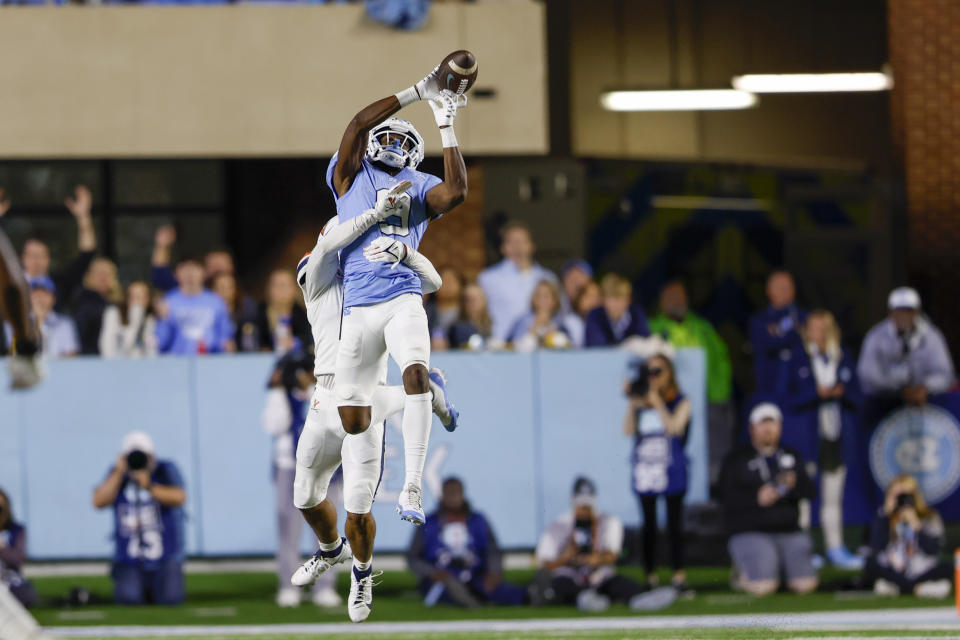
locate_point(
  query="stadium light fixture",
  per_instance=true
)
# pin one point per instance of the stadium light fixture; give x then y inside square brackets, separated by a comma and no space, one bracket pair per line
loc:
[813,82]
[677,100]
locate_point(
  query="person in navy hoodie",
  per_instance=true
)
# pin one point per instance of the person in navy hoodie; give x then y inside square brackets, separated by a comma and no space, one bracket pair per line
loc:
[147,497]
[659,421]
[774,332]
[616,319]
[13,553]
[821,398]
[456,556]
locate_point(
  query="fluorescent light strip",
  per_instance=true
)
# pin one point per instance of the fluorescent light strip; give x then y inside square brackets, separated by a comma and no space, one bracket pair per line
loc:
[812,82]
[679,100]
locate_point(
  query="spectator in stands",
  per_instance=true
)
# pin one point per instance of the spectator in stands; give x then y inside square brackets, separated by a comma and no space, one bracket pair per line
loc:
[242,310]
[147,496]
[130,327]
[658,420]
[907,538]
[472,329]
[774,332]
[822,400]
[214,262]
[905,357]
[509,284]
[456,557]
[443,308]
[282,324]
[761,485]
[13,553]
[574,276]
[587,300]
[100,288]
[36,254]
[289,391]
[58,333]
[683,328]
[617,318]
[577,554]
[191,318]
[545,325]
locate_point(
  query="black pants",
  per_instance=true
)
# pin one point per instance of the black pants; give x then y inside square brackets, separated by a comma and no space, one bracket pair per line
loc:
[648,504]
[617,588]
[873,571]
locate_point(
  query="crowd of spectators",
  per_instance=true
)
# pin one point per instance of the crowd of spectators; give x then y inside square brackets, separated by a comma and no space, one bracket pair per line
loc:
[811,396]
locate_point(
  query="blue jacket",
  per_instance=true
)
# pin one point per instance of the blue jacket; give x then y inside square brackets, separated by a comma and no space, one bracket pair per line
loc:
[599,331]
[467,550]
[771,350]
[798,398]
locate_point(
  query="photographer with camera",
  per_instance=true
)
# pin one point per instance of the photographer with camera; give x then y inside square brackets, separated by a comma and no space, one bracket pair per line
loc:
[761,486]
[906,538]
[577,555]
[658,419]
[146,495]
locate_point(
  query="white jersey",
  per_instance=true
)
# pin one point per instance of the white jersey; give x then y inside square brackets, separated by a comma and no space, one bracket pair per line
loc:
[322,285]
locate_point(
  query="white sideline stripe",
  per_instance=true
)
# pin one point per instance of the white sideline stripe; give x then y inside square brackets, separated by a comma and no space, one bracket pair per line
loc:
[387,562]
[940,618]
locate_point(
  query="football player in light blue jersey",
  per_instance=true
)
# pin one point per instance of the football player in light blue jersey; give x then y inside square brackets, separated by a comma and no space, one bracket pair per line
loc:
[383,301]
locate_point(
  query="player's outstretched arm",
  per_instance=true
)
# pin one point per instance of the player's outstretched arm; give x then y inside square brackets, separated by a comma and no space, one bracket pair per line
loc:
[453,190]
[386,249]
[321,266]
[353,145]
[15,299]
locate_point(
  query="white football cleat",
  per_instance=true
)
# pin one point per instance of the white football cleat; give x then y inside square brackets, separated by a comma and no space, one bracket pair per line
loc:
[360,600]
[288,597]
[319,562]
[409,506]
[327,598]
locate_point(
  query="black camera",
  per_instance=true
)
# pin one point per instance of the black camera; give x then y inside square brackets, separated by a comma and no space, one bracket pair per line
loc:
[583,536]
[136,460]
[640,384]
[906,500]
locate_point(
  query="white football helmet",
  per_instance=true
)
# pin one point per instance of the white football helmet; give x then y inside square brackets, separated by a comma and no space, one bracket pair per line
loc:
[405,148]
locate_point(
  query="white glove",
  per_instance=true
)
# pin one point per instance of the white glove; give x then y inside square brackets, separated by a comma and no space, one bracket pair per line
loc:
[429,87]
[26,371]
[385,249]
[390,203]
[445,106]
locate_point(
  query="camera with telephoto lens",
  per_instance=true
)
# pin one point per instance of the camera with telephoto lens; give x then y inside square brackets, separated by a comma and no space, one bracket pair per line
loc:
[640,384]
[906,500]
[136,460]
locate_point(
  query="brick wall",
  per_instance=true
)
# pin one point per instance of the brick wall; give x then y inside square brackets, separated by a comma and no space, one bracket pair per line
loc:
[457,239]
[924,38]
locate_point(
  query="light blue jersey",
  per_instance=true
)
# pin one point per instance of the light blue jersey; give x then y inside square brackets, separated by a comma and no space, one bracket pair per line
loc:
[365,282]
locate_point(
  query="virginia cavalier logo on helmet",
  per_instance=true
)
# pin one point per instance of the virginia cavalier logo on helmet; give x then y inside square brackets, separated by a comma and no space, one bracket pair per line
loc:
[405,148]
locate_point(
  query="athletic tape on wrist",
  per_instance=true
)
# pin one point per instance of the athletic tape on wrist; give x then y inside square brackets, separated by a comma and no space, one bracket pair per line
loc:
[448,137]
[407,96]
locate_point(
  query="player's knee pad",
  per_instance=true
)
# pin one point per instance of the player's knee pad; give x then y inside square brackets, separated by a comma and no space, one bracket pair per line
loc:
[307,495]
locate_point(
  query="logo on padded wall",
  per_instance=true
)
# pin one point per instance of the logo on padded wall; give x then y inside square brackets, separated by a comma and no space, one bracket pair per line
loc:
[924,442]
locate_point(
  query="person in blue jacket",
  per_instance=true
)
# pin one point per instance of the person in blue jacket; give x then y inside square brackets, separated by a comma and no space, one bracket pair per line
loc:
[147,498]
[774,332]
[456,556]
[821,398]
[658,419]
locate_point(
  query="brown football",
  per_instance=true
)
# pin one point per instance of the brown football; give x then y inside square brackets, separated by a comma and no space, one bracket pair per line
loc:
[458,71]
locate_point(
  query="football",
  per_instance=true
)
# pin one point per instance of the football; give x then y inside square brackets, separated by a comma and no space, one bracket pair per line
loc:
[458,71]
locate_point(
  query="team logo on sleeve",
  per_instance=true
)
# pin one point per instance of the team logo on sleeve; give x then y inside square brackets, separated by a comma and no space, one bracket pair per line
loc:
[921,441]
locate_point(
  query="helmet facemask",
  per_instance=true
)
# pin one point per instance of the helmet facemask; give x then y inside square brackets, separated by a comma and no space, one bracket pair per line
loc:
[395,143]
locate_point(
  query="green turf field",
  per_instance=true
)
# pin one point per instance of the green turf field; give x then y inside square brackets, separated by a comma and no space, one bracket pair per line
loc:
[247,598]
[654,634]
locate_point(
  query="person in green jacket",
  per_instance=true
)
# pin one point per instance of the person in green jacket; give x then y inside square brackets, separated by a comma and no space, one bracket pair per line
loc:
[683,328]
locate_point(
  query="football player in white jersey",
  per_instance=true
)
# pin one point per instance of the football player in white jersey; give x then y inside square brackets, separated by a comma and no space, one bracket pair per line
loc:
[25,367]
[324,445]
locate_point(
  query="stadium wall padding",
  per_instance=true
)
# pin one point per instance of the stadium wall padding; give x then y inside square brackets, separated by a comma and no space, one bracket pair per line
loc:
[247,80]
[530,424]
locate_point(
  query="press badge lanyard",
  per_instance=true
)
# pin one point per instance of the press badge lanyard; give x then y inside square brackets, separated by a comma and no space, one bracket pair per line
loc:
[760,464]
